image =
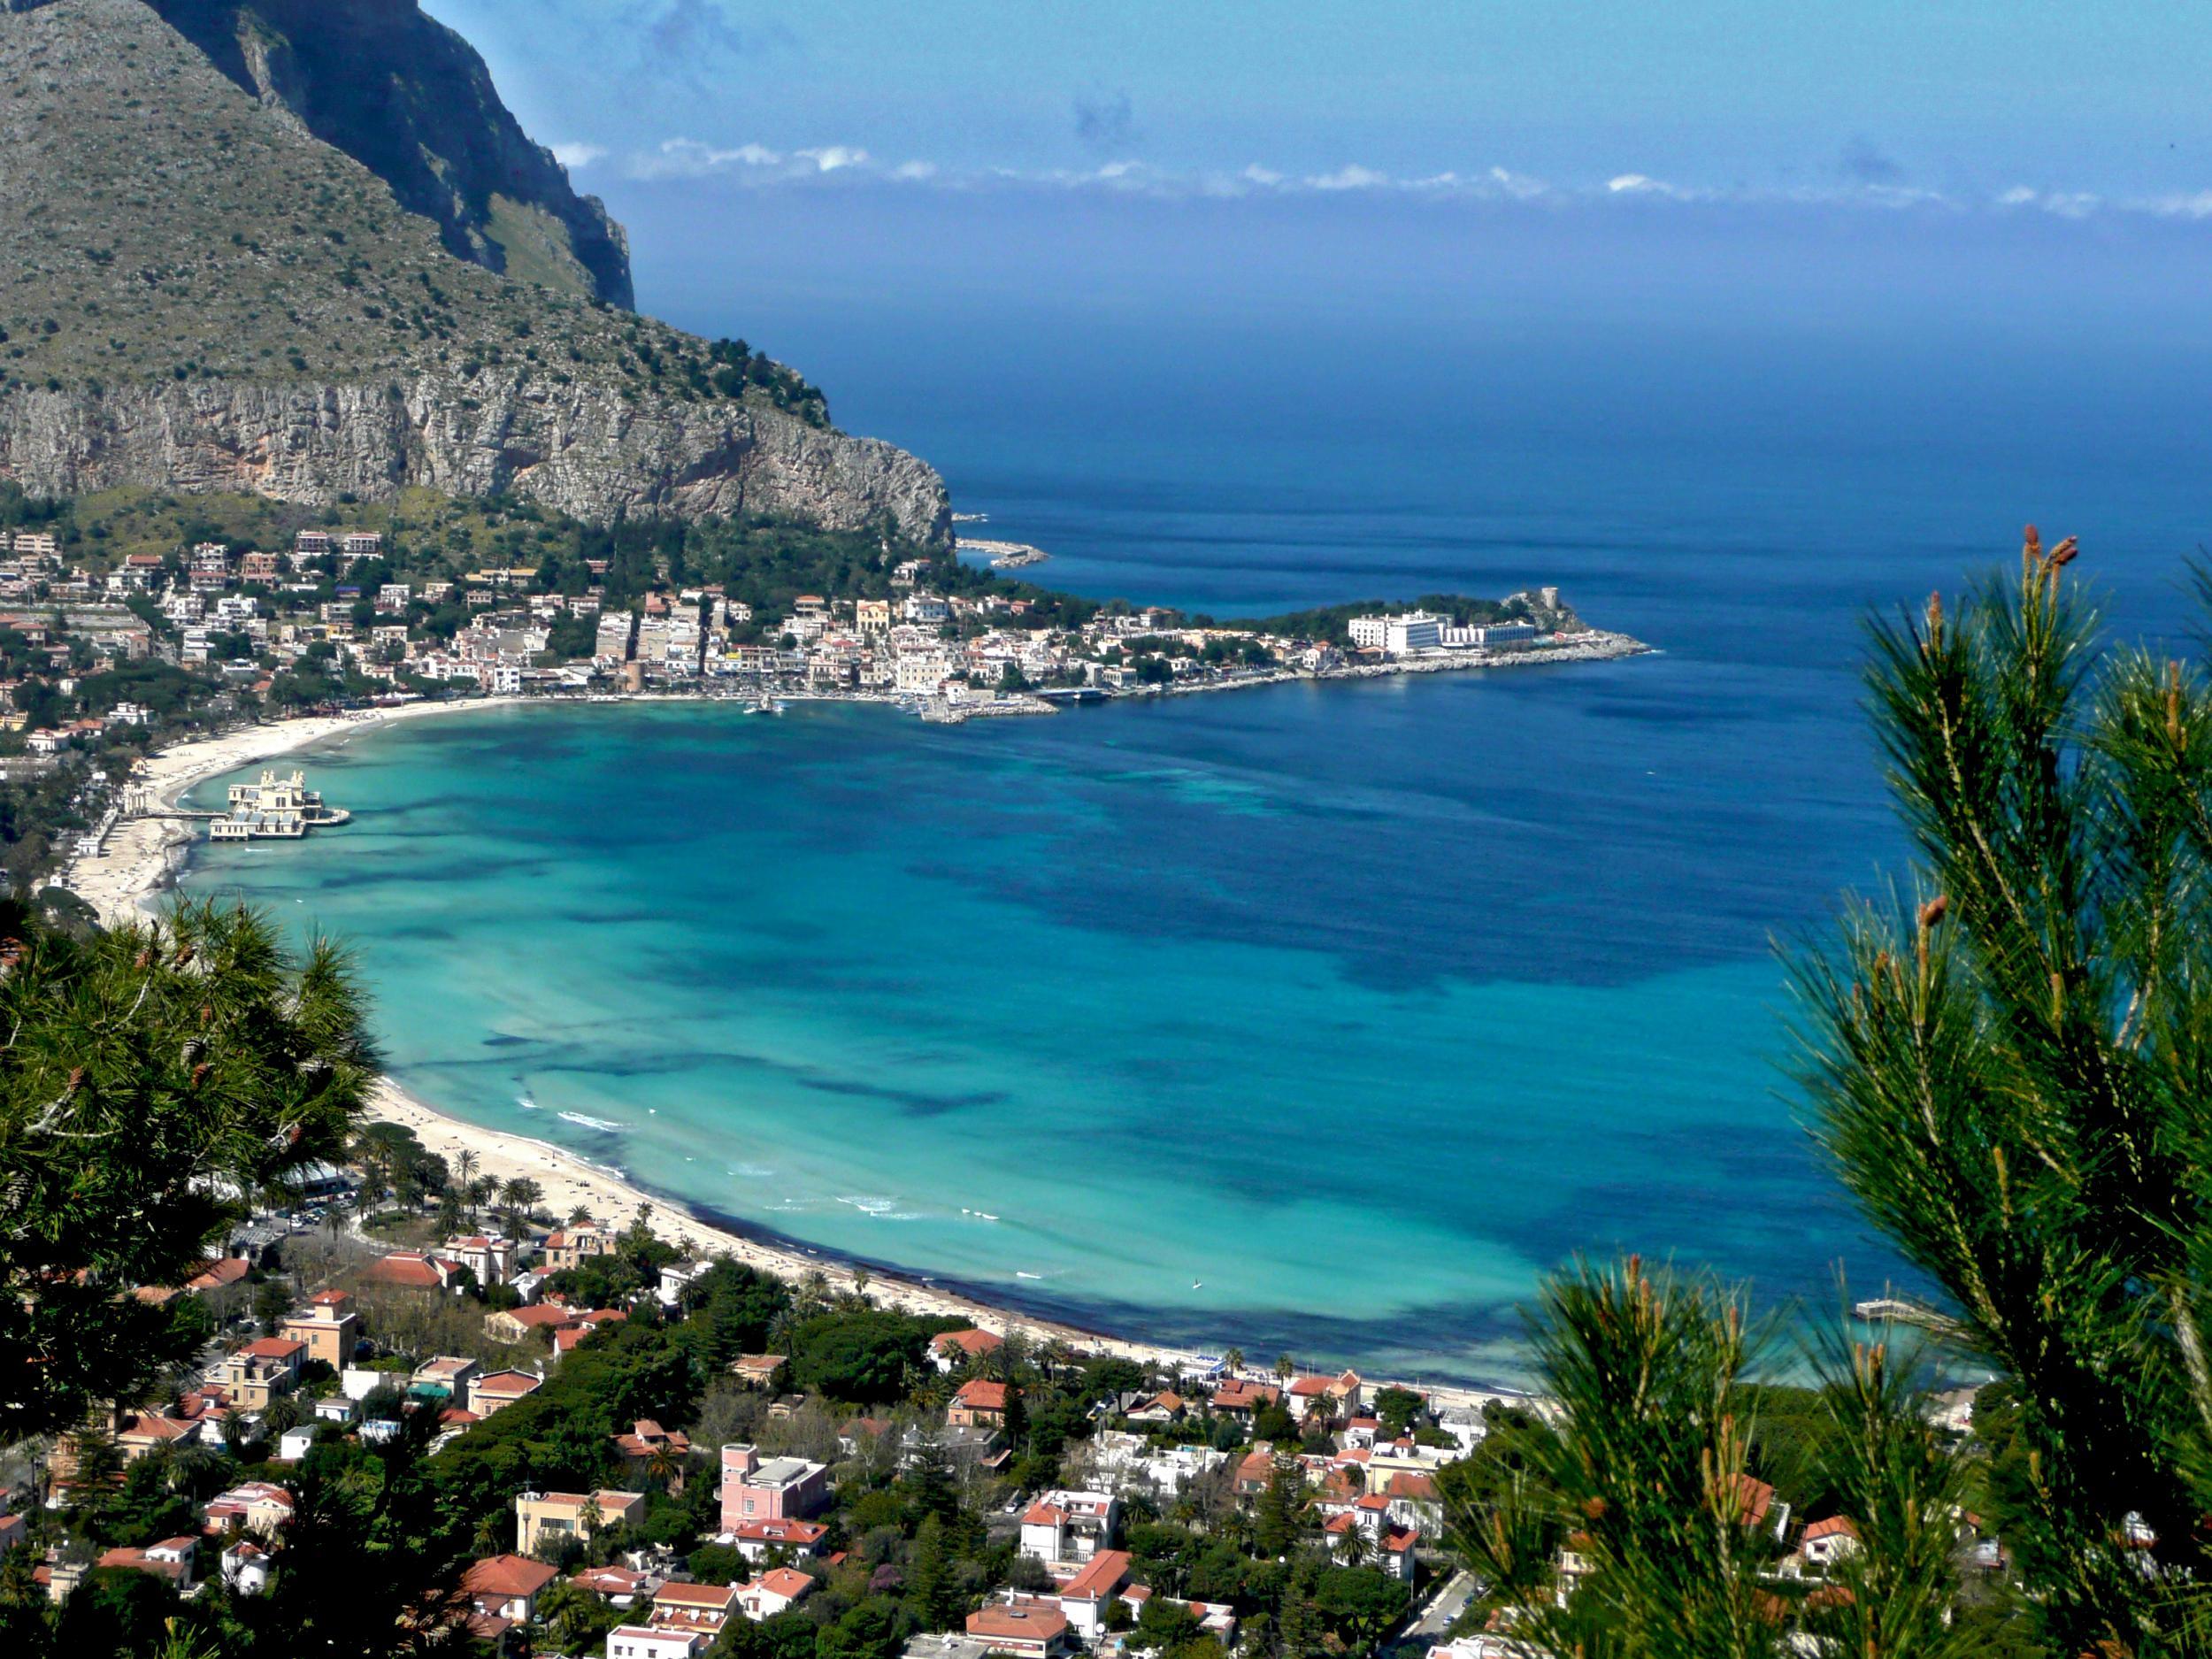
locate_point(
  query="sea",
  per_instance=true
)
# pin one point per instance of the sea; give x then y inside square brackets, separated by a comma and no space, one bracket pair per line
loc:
[1319,1019]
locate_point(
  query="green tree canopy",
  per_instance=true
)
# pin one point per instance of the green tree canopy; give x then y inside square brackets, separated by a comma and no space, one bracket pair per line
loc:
[150,1077]
[2007,1068]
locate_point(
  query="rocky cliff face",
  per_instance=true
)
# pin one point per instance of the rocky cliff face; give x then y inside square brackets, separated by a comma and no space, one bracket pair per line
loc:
[201,294]
[589,454]
[412,101]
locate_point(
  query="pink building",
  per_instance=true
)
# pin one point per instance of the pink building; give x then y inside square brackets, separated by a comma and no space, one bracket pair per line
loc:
[769,1489]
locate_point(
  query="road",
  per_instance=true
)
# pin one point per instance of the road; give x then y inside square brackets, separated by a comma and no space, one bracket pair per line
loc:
[1437,1618]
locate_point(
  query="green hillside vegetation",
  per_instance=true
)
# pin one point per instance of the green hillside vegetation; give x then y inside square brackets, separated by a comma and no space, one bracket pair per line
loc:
[204,238]
[410,100]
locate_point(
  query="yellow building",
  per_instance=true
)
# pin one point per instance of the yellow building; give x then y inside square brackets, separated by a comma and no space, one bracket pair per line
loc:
[328,1326]
[550,1516]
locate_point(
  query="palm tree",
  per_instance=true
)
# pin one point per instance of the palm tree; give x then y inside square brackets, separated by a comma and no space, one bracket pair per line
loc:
[570,1615]
[1286,1368]
[813,1290]
[1234,1360]
[518,1197]
[464,1172]
[1351,1545]
[664,1464]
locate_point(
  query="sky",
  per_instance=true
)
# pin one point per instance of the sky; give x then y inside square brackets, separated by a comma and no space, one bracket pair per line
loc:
[2051,104]
[1032,205]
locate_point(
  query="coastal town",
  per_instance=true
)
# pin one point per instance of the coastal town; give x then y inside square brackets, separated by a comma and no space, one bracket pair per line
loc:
[651,1452]
[119,638]
[332,607]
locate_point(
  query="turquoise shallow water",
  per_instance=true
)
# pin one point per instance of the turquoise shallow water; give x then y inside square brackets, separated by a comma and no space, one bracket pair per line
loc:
[1181,1019]
[1323,1018]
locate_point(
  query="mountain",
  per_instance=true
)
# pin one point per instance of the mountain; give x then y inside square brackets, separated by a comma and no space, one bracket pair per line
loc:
[200,294]
[412,101]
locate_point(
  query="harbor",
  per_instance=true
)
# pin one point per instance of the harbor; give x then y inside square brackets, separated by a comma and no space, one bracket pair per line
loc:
[1004,555]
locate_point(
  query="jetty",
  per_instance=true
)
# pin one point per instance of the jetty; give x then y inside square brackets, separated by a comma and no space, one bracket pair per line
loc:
[1004,556]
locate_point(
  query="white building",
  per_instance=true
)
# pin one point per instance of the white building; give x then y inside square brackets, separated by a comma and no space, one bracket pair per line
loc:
[927,609]
[1069,1526]
[1409,631]
[1486,635]
[647,1641]
[921,675]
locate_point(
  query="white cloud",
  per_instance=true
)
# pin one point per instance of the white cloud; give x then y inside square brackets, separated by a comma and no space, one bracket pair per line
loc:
[693,158]
[2063,203]
[2197,204]
[1353,177]
[755,164]
[573,156]
[831,157]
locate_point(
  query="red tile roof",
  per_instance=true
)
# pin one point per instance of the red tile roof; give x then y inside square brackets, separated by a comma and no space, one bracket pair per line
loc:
[405,1268]
[781,1532]
[1236,1394]
[506,1576]
[1753,1498]
[1101,1576]
[713,1598]
[788,1582]
[229,1270]
[538,1317]
[970,1342]
[607,1580]
[1001,1623]
[979,1395]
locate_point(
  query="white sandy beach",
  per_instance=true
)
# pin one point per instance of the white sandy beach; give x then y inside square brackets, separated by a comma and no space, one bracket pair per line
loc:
[126,881]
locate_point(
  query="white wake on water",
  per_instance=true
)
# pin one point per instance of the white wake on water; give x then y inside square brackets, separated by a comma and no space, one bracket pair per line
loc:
[601,1124]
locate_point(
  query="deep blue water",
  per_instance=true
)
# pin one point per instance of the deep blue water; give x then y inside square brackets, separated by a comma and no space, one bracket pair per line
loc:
[1314,1018]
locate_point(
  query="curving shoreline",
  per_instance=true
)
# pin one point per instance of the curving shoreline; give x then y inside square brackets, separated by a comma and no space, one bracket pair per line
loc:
[143,858]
